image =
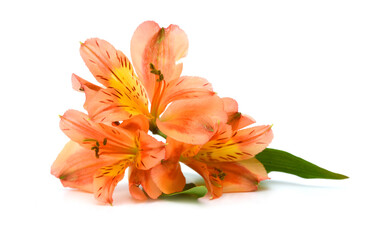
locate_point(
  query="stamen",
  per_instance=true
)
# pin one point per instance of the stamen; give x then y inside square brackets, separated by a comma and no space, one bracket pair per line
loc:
[221,175]
[89,140]
[159,89]
[156,72]
[161,35]
[96,147]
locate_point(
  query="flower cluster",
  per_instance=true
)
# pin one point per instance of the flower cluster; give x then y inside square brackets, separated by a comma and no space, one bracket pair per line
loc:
[202,130]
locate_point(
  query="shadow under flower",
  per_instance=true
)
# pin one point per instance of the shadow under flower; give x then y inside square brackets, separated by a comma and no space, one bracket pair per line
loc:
[315,183]
[182,199]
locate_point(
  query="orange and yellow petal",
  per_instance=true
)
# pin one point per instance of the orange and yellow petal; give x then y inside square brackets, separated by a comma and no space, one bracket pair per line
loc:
[255,139]
[243,144]
[76,166]
[109,105]
[106,179]
[192,121]
[112,69]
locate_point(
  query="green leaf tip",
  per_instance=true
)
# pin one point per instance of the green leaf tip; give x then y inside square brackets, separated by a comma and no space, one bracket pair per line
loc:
[280,161]
[190,190]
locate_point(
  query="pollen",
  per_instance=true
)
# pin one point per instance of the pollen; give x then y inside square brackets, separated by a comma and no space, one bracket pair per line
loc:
[156,72]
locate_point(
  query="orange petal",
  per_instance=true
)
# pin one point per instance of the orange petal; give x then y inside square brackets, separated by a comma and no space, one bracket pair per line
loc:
[77,126]
[142,177]
[175,149]
[235,118]
[151,151]
[106,180]
[112,68]
[243,122]
[76,167]
[113,142]
[163,49]
[183,88]
[140,39]
[91,90]
[79,84]
[241,176]
[222,177]
[214,185]
[136,192]
[230,105]
[254,140]
[138,122]
[108,141]
[192,121]
[168,176]
[243,145]
[223,134]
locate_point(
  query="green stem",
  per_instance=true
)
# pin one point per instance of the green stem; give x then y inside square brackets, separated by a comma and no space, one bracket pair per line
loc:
[161,133]
[155,130]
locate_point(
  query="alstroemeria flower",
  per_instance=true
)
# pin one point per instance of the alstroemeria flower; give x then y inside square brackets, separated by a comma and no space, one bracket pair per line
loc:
[97,156]
[155,53]
[226,161]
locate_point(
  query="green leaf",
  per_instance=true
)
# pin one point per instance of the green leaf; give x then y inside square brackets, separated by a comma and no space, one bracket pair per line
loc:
[281,161]
[190,190]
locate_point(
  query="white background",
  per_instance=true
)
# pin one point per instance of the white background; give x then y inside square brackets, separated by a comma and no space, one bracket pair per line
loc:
[311,68]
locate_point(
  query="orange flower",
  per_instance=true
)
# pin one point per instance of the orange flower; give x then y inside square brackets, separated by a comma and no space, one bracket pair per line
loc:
[97,156]
[155,52]
[226,161]
[205,132]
